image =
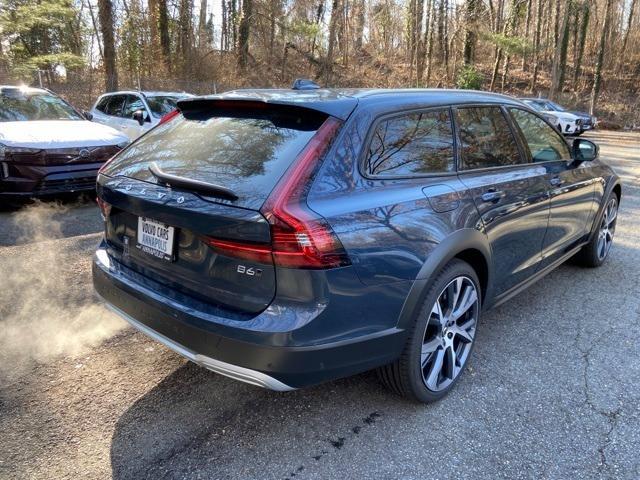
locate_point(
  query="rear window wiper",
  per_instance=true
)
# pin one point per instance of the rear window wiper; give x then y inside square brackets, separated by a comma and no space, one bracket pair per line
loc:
[192,185]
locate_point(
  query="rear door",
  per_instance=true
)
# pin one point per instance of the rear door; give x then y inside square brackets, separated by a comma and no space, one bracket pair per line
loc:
[246,150]
[571,186]
[510,193]
[113,111]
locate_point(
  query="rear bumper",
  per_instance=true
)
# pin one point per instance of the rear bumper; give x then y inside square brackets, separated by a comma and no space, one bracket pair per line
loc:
[36,180]
[253,356]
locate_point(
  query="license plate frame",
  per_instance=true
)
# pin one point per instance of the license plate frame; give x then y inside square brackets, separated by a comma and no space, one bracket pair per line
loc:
[156,239]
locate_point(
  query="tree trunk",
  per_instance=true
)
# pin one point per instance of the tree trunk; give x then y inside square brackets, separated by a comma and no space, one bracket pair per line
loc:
[360,20]
[536,46]
[202,26]
[582,40]
[625,39]
[105,14]
[244,32]
[153,24]
[560,58]
[527,27]
[597,76]
[327,68]
[429,38]
[163,27]
[470,35]
[184,35]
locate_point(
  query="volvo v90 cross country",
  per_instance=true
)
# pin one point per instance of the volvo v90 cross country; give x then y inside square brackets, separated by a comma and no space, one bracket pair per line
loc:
[288,237]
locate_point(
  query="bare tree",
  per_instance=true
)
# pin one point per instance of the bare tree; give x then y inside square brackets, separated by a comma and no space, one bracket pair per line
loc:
[105,14]
[560,58]
[597,76]
[536,46]
[470,34]
[243,33]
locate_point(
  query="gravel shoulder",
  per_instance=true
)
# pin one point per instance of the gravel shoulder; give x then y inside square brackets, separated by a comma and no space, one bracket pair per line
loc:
[552,390]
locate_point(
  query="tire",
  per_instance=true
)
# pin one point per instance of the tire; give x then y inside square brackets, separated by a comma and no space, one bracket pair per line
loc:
[594,253]
[437,338]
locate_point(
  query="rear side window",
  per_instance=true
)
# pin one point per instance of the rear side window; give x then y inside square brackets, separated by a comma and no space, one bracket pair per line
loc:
[115,105]
[486,139]
[411,145]
[544,142]
[246,149]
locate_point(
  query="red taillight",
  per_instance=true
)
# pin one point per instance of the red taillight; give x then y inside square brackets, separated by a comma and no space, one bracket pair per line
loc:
[105,208]
[169,116]
[300,238]
[245,251]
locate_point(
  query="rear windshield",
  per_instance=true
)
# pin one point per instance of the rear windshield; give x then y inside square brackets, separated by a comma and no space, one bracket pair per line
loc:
[246,151]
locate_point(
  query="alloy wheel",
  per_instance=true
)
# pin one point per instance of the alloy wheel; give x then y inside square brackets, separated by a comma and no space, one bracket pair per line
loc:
[449,334]
[607,228]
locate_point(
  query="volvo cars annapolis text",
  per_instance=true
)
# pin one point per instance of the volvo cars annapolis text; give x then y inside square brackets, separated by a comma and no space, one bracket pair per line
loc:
[288,237]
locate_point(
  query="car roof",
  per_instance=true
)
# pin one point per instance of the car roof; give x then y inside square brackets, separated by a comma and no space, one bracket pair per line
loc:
[340,102]
[146,93]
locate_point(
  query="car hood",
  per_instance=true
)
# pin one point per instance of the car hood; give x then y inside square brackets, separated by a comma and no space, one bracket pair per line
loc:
[565,116]
[581,114]
[59,134]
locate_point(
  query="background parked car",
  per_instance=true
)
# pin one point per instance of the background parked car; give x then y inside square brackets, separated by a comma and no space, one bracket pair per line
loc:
[134,112]
[588,121]
[568,123]
[47,146]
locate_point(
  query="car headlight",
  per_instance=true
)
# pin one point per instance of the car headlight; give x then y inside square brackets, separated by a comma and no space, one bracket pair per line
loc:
[31,156]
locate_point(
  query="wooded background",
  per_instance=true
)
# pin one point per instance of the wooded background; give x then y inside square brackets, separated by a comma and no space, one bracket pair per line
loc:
[584,53]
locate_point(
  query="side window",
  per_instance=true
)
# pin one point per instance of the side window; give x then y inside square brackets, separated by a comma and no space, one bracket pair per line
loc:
[412,144]
[101,106]
[486,139]
[545,144]
[115,105]
[133,104]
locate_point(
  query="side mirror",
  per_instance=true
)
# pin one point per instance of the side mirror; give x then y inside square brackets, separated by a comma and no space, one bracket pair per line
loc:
[585,150]
[139,116]
[87,115]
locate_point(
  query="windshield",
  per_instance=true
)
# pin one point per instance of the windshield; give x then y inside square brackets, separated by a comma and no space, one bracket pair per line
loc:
[555,107]
[161,105]
[537,106]
[22,105]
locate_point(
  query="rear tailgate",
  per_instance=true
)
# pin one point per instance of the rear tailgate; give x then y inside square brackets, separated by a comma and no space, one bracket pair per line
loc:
[242,146]
[194,269]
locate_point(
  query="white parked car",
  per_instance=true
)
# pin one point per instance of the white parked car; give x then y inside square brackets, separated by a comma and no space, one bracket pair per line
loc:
[567,123]
[47,146]
[134,112]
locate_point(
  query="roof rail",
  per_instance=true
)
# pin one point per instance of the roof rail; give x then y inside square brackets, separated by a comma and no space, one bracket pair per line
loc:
[304,84]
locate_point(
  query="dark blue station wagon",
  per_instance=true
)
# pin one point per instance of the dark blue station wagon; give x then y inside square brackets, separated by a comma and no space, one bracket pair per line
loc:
[288,237]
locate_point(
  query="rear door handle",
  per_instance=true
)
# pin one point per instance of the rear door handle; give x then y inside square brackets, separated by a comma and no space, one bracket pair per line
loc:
[492,195]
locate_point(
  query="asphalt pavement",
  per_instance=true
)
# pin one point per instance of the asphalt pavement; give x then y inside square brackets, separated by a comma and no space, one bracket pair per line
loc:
[552,390]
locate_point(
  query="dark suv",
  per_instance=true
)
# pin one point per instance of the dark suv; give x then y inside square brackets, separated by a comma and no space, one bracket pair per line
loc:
[284,238]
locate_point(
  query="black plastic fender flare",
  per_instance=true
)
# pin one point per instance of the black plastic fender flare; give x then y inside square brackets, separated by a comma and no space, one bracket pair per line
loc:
[448,249]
